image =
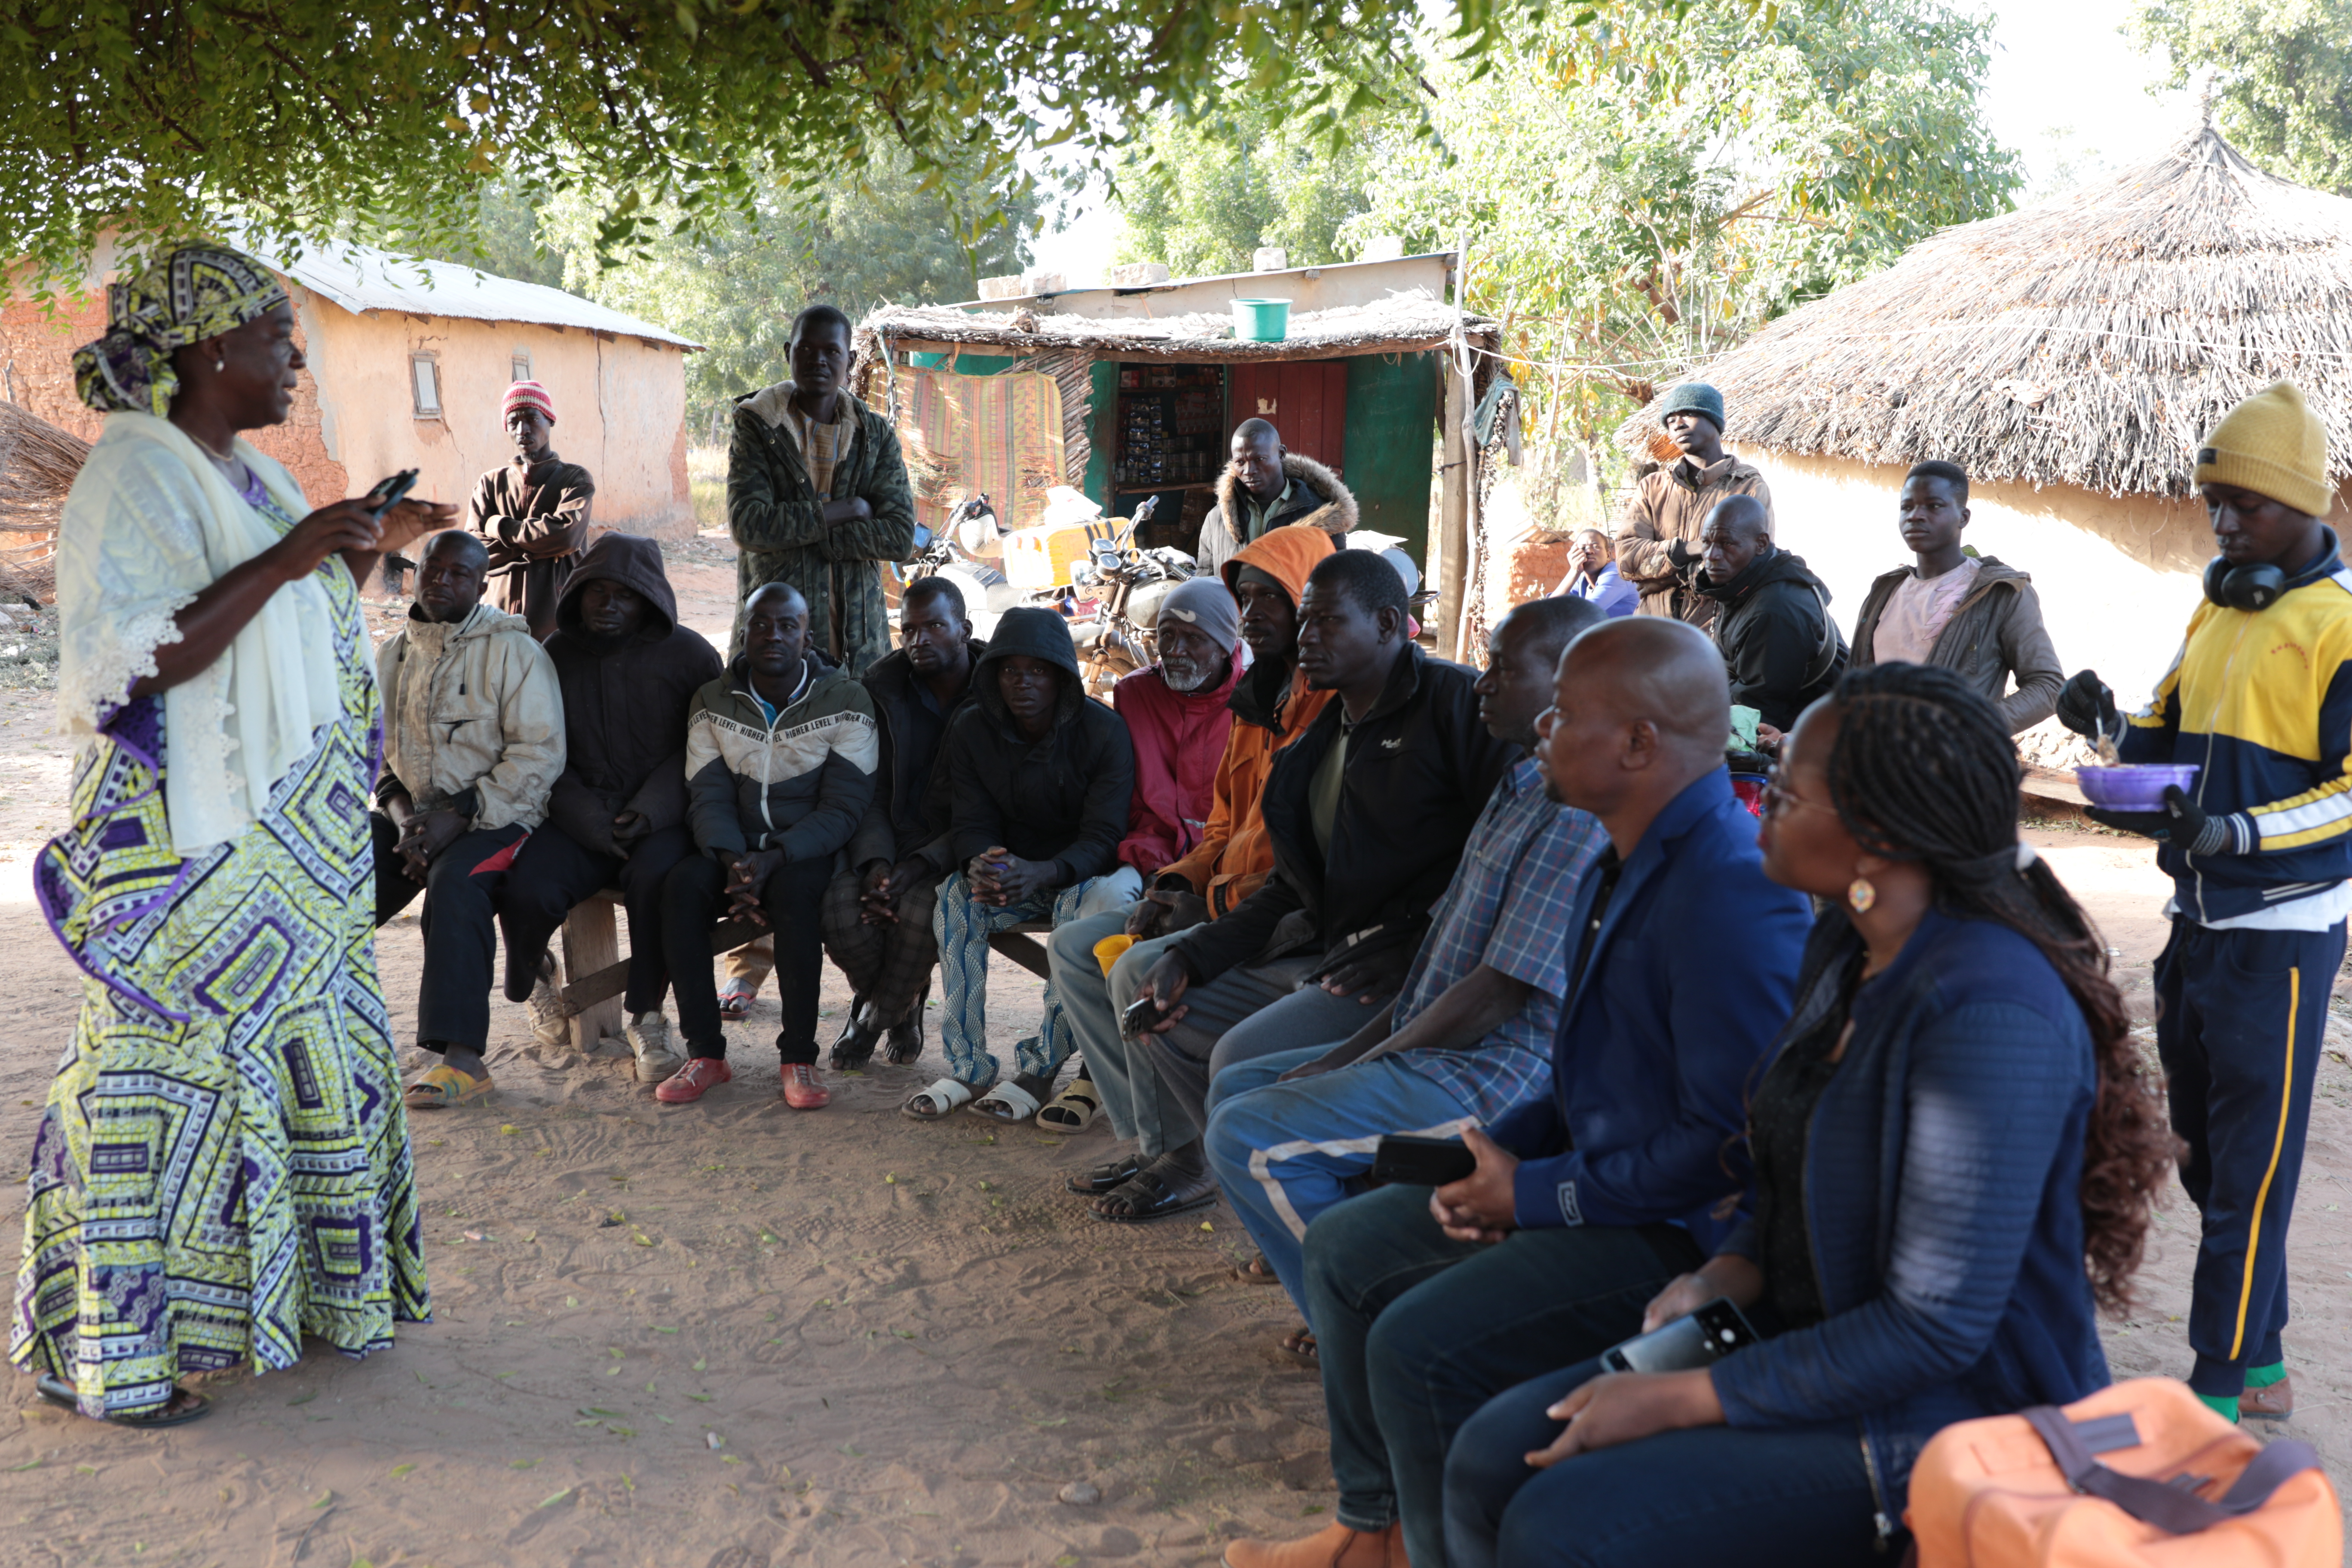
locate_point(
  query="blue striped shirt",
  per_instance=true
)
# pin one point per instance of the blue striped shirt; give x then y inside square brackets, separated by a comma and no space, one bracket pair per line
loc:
[1510,907]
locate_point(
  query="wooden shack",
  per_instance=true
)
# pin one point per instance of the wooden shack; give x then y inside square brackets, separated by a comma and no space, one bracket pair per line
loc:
[1132,392]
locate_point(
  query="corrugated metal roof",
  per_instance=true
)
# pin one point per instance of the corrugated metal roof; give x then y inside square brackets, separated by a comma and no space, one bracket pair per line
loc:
[362,278]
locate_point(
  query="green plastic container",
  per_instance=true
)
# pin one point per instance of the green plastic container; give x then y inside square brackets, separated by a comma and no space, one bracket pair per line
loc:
[1260,321]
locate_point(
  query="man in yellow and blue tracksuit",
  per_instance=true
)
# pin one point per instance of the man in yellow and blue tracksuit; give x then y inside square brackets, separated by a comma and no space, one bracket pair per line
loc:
[2259,846]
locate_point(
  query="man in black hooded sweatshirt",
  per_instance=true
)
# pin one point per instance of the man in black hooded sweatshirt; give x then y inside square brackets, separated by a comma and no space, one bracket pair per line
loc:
[1039,777]
[1779,646]
[617,816]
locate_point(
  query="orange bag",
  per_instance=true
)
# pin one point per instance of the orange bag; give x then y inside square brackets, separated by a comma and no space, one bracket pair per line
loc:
[2137,1476]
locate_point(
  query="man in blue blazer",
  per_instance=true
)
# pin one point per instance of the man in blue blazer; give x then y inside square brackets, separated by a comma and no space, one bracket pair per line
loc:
[1682,970]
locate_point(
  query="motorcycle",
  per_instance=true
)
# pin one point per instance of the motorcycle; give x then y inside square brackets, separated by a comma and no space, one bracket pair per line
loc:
[1130,585]
[962,551]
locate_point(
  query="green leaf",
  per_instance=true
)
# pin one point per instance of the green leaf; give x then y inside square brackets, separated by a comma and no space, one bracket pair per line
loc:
[400,1470]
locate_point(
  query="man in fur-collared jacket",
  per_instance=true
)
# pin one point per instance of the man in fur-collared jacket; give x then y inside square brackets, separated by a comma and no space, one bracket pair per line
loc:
[1266,486]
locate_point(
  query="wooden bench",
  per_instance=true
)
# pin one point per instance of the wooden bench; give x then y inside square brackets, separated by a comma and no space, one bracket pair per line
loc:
[592,954]
[598,974]
[1020,944]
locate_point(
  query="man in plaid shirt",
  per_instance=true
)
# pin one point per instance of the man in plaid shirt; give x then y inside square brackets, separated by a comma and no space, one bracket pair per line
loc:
[1470,1035]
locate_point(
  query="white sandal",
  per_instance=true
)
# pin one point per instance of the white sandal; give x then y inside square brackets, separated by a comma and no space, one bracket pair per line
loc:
[1008,1102]
[944,1098]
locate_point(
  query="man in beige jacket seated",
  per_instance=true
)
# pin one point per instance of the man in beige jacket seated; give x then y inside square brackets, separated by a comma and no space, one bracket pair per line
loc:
[473,741]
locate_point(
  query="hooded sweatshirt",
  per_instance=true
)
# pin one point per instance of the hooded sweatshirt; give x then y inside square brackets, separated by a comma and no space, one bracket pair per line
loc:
[1779,646]
[1272,705]
[1311,493]
[625,699]
[1179,737]
[798,782]
[472,718]
[1064,798]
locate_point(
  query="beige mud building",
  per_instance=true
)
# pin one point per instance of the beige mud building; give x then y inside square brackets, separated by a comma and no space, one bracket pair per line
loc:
[409,364]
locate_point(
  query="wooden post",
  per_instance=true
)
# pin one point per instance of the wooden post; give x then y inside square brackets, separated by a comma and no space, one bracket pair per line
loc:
[591,943]
[1453,513]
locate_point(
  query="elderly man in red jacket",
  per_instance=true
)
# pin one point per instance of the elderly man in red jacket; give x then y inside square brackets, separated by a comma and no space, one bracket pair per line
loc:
[1176,715]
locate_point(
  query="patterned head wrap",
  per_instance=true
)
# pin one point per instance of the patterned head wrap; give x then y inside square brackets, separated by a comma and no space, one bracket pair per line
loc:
[199,292]
[528,394]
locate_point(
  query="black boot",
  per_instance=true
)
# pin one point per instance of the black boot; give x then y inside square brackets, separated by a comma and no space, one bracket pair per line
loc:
[856,1046]
[904,1039]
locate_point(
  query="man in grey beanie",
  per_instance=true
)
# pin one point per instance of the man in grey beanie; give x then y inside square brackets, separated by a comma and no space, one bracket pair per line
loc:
[1657,539]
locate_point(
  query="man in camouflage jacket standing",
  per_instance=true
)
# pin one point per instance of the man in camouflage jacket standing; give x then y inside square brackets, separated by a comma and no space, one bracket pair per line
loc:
[817,497]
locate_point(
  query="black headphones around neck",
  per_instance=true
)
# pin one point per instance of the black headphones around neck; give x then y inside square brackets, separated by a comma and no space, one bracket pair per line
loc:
[2254,587]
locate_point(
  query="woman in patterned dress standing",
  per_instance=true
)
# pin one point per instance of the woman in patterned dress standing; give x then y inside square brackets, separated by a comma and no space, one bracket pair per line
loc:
[223,1166]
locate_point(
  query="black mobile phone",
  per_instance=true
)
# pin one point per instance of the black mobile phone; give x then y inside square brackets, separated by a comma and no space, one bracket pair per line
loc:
[1141,1016]
[1404,1160]
[389,490]
[1698,1340]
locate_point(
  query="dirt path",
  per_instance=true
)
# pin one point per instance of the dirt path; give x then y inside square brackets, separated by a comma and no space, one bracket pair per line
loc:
[729,1334]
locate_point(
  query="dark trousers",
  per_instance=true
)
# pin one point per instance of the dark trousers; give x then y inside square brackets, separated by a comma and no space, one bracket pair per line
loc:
[1696,1498]
[889,966]
[2239,1026]
[459,922]
[694,898]
[1415,1331]
[555,872]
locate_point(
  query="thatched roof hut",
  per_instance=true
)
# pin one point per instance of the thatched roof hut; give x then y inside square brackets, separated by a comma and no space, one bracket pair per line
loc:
[2070,356]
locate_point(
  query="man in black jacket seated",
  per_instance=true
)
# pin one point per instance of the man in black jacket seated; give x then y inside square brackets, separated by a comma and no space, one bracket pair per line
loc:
[1781,648]
[1367,813]
[1040,776]
[878,908]
[617,816]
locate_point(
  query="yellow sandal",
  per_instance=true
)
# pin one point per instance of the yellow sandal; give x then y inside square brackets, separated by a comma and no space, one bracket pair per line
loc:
[444,1087]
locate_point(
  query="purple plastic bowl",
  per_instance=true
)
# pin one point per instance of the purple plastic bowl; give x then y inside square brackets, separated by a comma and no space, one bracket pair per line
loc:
[2135,787]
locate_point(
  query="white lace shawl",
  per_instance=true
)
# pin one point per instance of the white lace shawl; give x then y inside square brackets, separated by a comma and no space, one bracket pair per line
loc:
[149,525]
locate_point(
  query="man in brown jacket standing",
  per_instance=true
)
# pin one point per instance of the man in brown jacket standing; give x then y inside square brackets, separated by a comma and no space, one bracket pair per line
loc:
[1967,613]
[533,515]
[1657,540]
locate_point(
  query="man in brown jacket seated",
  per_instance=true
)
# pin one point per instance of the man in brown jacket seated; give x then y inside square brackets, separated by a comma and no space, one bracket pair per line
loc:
[472,739]
[1658,548]
[533,515]
[1967,613]
[617,816]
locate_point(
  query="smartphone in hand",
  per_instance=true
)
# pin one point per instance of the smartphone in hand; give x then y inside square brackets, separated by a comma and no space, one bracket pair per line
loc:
[1699,1339]
[389,492]
[1404,1160]
[1142,1015]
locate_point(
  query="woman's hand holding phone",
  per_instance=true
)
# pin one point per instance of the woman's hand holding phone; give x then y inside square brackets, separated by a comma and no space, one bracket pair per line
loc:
[1725,1278]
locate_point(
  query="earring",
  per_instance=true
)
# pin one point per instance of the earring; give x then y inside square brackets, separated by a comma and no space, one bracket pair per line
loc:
[220,364]
[1861,895]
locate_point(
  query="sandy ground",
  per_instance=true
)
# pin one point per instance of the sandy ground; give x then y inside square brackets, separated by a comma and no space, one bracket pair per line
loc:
[730,1334]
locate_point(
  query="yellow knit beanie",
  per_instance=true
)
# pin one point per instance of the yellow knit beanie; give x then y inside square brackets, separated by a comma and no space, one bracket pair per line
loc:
[2273,445]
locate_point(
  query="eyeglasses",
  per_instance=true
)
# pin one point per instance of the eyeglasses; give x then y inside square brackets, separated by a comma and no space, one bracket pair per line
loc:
[1778,796]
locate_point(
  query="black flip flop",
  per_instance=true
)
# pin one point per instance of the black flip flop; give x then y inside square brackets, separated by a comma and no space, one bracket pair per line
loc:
[55,1389]
[1106,1178]
[1160,1202]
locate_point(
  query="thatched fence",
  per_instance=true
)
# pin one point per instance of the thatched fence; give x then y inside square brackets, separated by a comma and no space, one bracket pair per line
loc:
[38,465]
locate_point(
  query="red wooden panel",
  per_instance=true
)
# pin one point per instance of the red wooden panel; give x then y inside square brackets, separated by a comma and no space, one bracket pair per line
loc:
[1306,400]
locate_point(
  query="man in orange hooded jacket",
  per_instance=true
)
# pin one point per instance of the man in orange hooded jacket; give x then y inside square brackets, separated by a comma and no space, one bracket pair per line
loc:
[1271,707]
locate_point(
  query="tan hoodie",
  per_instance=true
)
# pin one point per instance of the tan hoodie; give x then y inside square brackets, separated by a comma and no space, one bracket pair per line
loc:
[472,705]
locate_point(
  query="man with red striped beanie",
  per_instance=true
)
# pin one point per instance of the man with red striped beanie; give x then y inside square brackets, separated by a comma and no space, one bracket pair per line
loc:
[531,513]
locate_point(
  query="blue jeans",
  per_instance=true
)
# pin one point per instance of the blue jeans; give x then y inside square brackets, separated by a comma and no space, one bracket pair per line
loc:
[1707,1496]
[1284,1152]
[1415,1331]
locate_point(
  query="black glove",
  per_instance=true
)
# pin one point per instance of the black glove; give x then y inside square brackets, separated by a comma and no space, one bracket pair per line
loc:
[2184,823]
[2087,707]
[1678,551]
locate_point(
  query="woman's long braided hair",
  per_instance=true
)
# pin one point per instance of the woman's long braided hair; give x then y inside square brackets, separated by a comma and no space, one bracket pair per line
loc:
[1924,769]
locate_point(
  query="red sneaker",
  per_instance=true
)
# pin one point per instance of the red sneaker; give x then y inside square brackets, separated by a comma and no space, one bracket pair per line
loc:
[801,1090]
[692,1081]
